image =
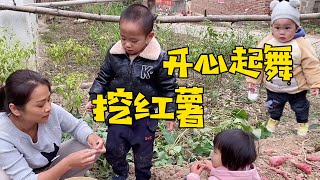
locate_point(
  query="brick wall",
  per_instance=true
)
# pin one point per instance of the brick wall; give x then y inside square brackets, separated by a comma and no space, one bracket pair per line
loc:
[230,7]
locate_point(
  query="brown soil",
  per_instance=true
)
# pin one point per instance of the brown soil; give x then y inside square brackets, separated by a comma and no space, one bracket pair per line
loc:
[282,142]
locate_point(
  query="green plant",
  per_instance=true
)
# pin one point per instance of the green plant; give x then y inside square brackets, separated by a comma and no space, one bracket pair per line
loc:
[68,86]
[62,51]
[104,35]
[66,82]
[193,144]
[168,39]
[239,119]
[12,57]
[183,147]
[311,26]
[114,8]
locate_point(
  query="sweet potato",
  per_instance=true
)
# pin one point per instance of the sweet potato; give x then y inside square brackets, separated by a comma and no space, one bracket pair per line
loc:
[269,151]
[295,152]
[278,160]
[298,178]
[282,173]
[303,167]
[313,157]
[179,174]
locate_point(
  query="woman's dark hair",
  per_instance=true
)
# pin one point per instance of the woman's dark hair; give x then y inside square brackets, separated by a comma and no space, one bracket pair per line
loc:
[139,14]
[18,88]
[237,148]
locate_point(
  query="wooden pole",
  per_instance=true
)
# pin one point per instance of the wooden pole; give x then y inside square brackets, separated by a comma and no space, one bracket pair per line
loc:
[69,3]
[161,19]
[58,12]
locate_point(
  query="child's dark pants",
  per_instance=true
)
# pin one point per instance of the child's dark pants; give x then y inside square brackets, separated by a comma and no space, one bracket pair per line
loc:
[299,104]
[140,136]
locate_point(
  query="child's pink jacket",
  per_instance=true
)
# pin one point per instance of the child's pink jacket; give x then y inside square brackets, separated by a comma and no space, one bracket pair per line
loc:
[222,173]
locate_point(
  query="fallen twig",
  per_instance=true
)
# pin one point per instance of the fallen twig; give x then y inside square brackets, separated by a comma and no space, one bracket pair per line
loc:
[177,140]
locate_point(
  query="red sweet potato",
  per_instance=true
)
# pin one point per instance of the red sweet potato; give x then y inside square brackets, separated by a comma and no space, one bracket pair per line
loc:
[282,173]
[278,160]
[303,167]
[269,152]
[179,174]
[313,157]
[299,178]
[295,152]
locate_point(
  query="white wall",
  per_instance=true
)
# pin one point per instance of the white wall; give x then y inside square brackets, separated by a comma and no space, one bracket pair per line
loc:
[23,25]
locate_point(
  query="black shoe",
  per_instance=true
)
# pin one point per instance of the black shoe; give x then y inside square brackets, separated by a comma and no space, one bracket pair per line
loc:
[117,177]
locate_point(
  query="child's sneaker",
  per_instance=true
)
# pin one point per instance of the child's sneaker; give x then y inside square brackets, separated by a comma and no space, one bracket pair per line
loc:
[253,96]
[271,125]
[303,129]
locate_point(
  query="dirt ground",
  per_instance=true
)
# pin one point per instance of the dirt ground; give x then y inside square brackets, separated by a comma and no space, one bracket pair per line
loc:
[282,142]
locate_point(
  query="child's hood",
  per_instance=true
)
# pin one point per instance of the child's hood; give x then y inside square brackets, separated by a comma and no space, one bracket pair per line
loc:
[223,173]
[152,50]
[300,33]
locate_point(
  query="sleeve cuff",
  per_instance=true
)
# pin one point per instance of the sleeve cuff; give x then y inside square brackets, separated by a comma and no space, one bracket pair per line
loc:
[193,176]
[85,132]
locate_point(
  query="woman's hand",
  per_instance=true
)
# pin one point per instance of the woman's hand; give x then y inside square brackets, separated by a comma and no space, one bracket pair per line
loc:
[81,159]
[197,168]
[96,142]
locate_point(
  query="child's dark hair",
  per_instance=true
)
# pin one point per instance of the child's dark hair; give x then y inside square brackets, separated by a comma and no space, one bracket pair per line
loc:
[141,15]
[18,88]
[237,148]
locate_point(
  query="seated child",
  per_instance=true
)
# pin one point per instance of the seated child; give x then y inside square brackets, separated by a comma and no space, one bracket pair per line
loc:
[233,155]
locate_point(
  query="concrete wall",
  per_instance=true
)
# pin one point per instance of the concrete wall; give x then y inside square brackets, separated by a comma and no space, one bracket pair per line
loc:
[316,8]
[307,6]
[22,25]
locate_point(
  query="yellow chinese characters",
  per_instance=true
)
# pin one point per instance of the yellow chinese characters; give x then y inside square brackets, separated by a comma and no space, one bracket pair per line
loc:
[246,64]
[190,109]
[173,62]
[123,117]
[100,107]
[120,103]
[278,62]
[207,64]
